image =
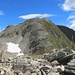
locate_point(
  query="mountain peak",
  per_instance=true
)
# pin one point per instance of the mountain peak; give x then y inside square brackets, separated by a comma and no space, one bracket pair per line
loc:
[35,36]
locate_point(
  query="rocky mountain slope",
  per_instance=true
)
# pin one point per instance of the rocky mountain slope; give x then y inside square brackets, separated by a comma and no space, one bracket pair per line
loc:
[34,36]
[68,32]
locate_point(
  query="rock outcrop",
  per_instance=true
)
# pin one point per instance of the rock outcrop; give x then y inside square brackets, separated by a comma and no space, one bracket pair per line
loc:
[40,66]
[65,57]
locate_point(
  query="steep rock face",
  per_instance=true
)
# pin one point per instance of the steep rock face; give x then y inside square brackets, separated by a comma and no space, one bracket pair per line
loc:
[34,36]
[41,35]
[68,32]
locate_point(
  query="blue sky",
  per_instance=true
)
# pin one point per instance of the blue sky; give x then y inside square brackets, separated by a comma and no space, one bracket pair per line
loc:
[61,12]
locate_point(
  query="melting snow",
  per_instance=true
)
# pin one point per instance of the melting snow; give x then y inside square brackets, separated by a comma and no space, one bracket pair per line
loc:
[13,48]
[20,54]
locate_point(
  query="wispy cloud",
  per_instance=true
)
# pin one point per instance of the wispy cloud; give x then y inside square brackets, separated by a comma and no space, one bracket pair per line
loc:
[29,16]
[68,5]
[72,25]
[71,20]
[1,13]
[71,17]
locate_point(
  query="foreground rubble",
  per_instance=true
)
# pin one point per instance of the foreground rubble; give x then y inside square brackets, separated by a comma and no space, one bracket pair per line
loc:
[57,62]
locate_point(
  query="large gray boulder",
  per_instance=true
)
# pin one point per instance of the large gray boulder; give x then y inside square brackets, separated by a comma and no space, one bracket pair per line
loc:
[70,67]
[63,56]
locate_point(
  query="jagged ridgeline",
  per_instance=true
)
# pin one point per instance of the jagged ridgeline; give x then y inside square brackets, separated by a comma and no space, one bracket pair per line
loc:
[35,36]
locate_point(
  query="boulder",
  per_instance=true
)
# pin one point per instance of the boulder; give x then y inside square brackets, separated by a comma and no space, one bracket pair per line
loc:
[70,67]
[34,63]
[27,72]
[59,54]
[54,63]
[64,60]
[53,73]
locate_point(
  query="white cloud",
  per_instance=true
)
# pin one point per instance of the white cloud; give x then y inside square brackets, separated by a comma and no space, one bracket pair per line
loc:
[71,17]
[71,20]
[13,48]
[1,13]
[68,5]
[29,16]
[72,26]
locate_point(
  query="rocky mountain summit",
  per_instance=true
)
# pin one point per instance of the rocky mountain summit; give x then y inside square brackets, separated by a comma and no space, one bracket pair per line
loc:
[34,36]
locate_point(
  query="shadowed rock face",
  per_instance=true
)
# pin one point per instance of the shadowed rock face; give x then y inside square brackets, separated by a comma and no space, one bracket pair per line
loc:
[34,36]
[68,32]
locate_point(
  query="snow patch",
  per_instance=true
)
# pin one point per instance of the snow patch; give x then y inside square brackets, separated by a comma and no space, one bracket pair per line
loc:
[13,48]
[20,54]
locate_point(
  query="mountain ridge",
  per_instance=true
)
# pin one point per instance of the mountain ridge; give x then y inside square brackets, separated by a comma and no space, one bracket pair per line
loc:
[34,36]
[70,33]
